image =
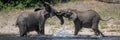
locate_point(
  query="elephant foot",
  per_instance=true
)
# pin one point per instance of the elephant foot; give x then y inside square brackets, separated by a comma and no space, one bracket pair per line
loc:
[40,35]
[101,35]
[94,36]
[97,36]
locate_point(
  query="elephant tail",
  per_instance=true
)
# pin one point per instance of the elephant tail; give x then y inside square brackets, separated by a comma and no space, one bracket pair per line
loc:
[107,19]
[16,24]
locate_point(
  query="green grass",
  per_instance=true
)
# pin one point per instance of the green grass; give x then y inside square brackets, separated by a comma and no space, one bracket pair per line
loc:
[103,25]
[114,30]
[109,12]
[80,30]
[50,22]
[117,23]
[91,30]
[68,22]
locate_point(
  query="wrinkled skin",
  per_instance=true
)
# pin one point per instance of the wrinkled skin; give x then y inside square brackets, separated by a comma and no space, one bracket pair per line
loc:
[86,19]
[30,21]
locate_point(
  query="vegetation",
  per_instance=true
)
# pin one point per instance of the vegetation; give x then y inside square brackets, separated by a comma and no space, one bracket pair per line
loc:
[21,4]
[105,10]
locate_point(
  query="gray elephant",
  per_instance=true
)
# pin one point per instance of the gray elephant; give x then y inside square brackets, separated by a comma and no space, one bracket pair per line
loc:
[86,19]
[30,21]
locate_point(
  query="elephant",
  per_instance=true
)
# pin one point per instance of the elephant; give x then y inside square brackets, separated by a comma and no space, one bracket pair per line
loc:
[86,19]
[35,21]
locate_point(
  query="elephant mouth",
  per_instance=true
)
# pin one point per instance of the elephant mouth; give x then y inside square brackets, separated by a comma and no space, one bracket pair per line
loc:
[49,15]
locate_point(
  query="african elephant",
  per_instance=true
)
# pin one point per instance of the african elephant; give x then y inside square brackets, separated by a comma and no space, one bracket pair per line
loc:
[86,19]
[30,21]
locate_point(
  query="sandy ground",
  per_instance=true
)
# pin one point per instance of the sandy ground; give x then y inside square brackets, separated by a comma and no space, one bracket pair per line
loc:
[7,24]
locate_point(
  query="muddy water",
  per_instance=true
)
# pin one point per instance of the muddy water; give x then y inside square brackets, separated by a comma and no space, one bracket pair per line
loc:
[61,38]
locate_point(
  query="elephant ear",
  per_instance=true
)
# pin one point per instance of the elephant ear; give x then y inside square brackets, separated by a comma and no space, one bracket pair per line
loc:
[37,9]
[47,7]
[73,15]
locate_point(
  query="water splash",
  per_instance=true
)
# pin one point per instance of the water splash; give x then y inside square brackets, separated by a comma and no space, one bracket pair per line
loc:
[62,32]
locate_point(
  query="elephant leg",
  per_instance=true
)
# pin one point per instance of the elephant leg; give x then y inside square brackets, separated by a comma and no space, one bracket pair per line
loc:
[42,31]
[98,32]
[78,26]
[61,19]
[23,31]
[42,28]
[95,28]
[38,31]
[23,34]
[95,31]
[41,25]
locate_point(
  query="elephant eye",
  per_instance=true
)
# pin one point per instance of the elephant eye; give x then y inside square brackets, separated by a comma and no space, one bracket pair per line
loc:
[46,13]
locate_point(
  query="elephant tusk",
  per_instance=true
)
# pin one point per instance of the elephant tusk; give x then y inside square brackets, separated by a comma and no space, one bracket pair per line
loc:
[50,15]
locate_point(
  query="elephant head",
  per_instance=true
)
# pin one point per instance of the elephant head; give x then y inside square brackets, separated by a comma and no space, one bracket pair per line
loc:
[68,13]
[36,20]
[47,11]
[51,11]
